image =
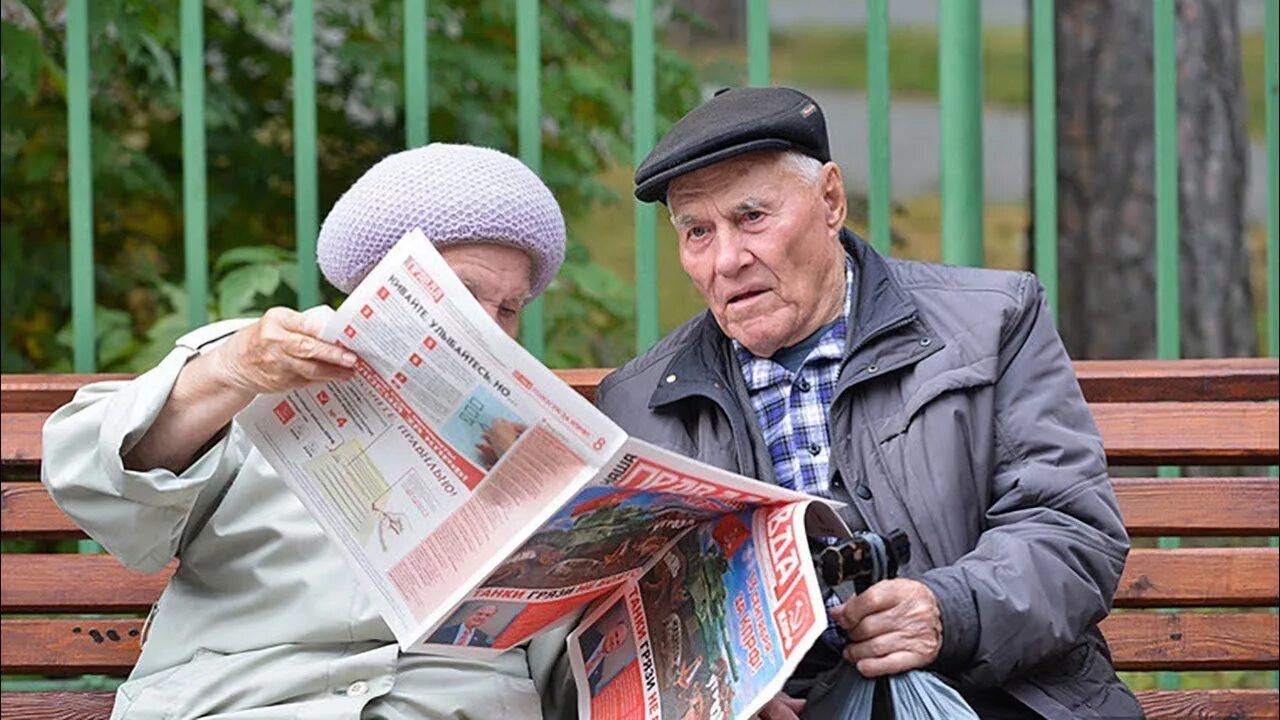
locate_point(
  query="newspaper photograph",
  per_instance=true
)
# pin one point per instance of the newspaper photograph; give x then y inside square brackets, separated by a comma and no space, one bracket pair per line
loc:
[711,630]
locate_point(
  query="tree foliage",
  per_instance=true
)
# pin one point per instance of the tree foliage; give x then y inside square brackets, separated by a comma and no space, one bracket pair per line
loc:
[137,153]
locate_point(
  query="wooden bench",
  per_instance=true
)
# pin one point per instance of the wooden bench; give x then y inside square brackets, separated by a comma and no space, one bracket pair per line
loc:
[1188,413]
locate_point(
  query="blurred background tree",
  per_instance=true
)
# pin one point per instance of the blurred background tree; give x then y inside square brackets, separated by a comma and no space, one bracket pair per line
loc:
[1106,180]
[137,154]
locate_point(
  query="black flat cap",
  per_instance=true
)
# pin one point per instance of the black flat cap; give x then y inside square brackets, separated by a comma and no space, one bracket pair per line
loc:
[736,121]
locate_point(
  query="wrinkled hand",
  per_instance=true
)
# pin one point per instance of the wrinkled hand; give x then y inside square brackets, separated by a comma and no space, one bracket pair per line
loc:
[280,352]
[781,707]
[498,439]
[893,627]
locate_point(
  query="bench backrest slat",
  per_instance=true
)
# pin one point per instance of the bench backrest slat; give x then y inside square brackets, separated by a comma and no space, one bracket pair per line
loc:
[1193,641]
[1139,641]
[1156,433]
[1155,507]
[1176,433]
[43,583]
[1152,507]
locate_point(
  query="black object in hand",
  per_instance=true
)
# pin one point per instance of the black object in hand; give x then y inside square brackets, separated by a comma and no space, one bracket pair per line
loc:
[865,559]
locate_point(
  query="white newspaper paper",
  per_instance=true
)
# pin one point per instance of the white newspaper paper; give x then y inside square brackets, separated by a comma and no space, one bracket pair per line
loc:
[481,500]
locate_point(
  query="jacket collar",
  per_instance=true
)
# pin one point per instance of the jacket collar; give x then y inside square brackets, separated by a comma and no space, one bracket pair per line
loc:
[880,303]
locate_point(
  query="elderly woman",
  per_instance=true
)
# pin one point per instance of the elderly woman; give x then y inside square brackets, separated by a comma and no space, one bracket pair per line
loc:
[263,618]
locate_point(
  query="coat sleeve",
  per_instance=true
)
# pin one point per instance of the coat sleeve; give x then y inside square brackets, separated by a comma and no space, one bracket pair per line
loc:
[139,517]
[549,667]
[1046,567]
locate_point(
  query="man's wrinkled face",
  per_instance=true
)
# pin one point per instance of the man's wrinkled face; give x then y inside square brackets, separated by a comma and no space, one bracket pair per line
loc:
[760,242]
[480,616]
[497,275]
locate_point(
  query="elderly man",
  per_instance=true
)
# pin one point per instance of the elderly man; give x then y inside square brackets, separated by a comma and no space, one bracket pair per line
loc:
[936,400]
[263,618]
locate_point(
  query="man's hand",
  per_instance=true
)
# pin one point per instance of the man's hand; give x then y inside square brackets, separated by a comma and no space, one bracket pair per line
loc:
[893,627]
[278,353]
[781,707]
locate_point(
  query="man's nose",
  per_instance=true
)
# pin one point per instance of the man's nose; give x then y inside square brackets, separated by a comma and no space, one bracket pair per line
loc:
[732,254]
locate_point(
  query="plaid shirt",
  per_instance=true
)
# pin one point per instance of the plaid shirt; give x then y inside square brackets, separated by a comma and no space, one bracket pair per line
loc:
[793,409]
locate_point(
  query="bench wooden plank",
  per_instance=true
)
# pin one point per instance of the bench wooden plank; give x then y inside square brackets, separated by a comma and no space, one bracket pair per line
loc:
[28,512]
[20,444]
[69,646]
[1158,705]
[1171,433]
[1155,507]
[1139,641]
[77,583]
[1227,433]
[1189,577]
[1152,507]
[1200,577]
[1210,380]
[57,705]
[1210,704]
[1194,640]
[1219,379]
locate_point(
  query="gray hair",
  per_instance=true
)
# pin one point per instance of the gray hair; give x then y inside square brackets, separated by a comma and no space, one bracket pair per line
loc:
[805,167]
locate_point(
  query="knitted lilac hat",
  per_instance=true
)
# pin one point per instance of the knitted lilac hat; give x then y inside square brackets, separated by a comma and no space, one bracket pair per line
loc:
[455,194]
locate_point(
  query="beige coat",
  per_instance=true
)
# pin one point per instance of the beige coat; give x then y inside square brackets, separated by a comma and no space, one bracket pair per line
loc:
[263,618]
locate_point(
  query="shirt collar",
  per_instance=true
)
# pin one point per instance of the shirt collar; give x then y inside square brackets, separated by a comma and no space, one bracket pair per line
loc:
[761,372]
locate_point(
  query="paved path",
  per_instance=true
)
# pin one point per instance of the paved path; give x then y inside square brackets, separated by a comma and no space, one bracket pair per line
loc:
[1006,149]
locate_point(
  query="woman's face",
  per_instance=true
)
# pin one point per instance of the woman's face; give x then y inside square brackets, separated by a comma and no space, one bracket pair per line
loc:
[497,276]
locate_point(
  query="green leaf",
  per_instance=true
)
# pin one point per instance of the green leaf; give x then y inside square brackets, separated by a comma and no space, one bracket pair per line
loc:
[163,61]
[115,345]
[237,291]
[23,58]
[251,255]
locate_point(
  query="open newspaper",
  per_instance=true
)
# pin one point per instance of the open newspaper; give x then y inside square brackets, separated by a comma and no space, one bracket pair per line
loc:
[481,500]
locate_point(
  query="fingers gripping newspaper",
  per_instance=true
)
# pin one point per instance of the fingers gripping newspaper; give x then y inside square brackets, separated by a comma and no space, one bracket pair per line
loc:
[481,500]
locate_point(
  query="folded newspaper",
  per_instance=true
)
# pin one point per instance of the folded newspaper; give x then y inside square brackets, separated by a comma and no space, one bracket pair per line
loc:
[481,500]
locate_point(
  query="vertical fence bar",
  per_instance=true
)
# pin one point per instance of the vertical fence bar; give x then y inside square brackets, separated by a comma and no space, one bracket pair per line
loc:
[529,109]
[758,43]
[80,192]
[1044,88]
[195,240]
[1168,331]
[305,184]
[1272,48]
[643,96]
[960,103]
[879,189]
[1273,179]
[80,185]
[415,73]
[1166,119]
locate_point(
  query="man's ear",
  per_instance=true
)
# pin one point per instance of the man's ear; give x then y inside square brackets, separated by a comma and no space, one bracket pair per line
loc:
[831,183]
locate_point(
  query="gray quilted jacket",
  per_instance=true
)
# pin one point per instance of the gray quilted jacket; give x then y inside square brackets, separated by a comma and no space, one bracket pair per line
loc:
[957,418]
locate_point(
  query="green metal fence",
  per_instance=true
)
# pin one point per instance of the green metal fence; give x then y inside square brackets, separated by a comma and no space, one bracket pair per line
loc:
[960,79]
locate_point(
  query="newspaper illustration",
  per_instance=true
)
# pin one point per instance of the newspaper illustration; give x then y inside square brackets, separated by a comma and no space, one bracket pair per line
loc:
[481,500]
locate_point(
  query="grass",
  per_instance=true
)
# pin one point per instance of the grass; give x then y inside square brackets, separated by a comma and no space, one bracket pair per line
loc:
[837,58]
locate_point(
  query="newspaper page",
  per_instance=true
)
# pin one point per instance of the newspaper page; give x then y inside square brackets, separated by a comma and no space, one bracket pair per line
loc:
[606,535]
[712,629]
[480,500]
[450,446]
